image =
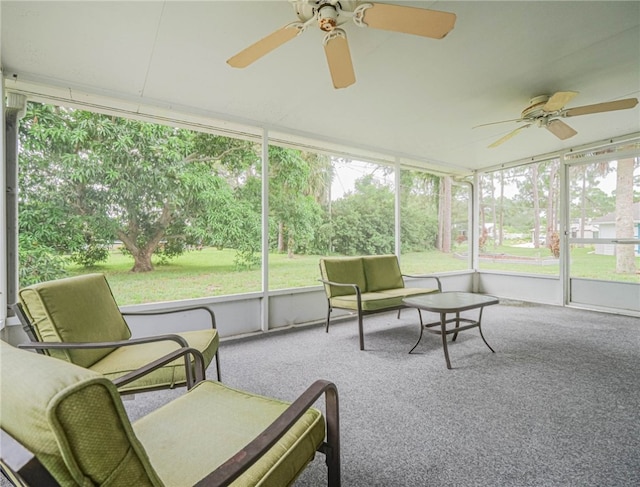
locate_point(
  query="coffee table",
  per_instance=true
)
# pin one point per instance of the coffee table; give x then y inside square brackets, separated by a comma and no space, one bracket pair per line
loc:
[446,303]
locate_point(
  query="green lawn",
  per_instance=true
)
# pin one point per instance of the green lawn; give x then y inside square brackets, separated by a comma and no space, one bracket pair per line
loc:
[211,272]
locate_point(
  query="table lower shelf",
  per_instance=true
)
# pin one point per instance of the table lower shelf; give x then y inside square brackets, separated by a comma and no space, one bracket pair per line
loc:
[444,331]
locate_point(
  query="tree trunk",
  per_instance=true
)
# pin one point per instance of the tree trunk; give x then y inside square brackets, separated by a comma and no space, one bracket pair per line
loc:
[142,254]
[446,214]
[142,261]
[493,213]
[482,228]
[440,217]
[551,208]
[625,255]
[290,245]
[280,237]
[536,206]
[583,202]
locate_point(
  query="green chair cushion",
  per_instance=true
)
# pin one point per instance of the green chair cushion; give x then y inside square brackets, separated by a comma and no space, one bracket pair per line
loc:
[344,270]
[370,302]
[78,309]
[73,420]
[382,272]
[176,431]
[389,298]
[408,291]
[129,358]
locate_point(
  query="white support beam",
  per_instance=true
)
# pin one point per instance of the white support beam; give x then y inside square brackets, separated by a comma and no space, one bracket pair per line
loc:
[265,231]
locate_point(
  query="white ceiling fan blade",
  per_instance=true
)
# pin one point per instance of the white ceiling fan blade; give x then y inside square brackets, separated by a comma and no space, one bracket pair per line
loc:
[559,100]
[560,129]
[496,123]
[336,49]
[601,107]
[508,136]
[409,20]
[265,45]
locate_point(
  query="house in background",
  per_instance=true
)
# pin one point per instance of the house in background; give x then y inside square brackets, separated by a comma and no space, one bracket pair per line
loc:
[607,229]
[590,231]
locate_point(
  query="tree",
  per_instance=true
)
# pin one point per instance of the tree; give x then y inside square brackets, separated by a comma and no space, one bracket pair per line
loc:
[297,184]
[154,187]
[625,258]
[536,205]
[363,221]
[587,196]
[553,190]
[419,208]
[445,214]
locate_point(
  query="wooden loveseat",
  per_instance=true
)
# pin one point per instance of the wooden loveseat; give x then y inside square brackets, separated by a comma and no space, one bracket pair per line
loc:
[367,285]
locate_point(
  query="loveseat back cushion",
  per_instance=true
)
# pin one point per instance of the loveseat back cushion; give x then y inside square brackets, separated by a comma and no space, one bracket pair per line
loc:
[73,420]
[75,309]
[382,272]
[348,270]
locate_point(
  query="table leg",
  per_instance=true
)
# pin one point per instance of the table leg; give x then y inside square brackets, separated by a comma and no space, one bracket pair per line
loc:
[421,331]
[480,330]
[443,328]
[455,335]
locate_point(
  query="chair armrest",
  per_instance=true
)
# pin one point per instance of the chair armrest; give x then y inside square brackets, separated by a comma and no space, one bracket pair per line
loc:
[425,276]
[193,376]
[178,310]
[119,343]
[229,471]
[184,350]
[22,463]
[355,286]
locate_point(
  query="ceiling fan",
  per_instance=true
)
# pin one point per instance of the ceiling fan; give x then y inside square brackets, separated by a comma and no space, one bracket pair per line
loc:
[546,111]
[330,14]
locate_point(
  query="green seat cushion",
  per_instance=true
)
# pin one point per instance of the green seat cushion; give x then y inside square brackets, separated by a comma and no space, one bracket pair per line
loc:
[409,291]
[126,359]
[233,419]
[382,272]
[75,309]
[370,302]
[344,270]
[389,298]
[72,419]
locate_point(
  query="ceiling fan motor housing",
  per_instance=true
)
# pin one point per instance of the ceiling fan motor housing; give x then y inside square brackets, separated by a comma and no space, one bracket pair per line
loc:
[535,107]
[327,17]
[327,11]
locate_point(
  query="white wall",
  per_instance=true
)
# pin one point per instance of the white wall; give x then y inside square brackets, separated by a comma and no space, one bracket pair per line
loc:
[530,287]
[609,295]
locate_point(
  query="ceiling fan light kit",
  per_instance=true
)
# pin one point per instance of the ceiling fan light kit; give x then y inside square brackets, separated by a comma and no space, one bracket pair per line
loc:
[546,111]
[330,14]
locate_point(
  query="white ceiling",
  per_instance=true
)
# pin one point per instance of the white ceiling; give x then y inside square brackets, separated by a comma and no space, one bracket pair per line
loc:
[415,98]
